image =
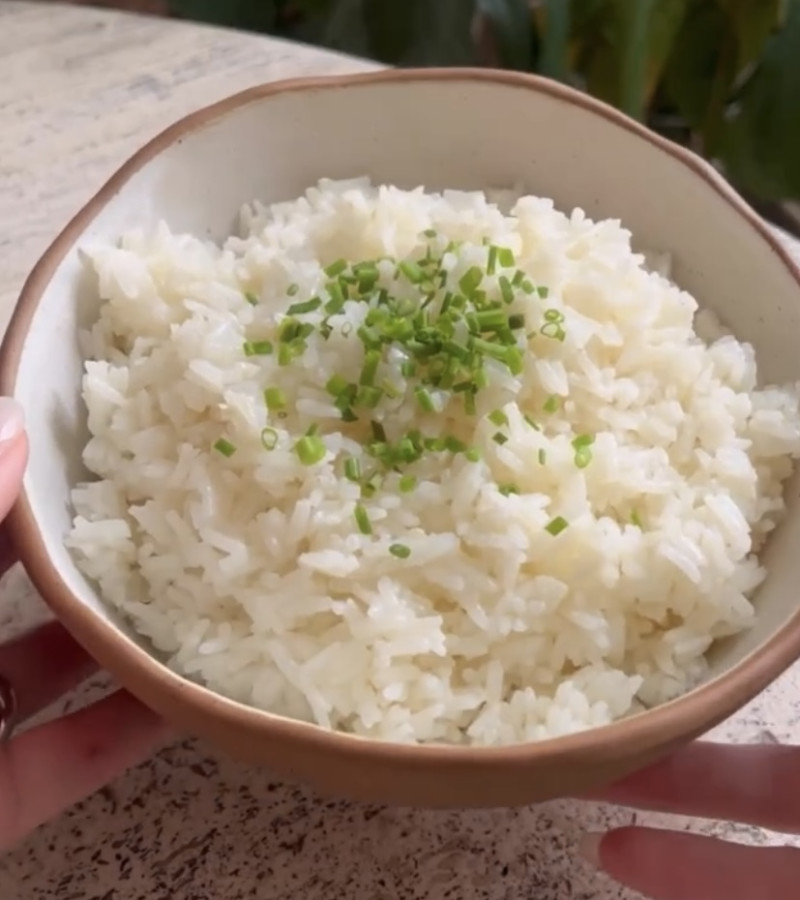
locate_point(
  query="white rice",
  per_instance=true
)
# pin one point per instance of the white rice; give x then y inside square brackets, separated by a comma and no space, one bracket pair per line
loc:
[248,573]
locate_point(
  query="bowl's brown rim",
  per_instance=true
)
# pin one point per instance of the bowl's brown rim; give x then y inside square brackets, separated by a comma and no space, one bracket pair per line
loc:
[686,714]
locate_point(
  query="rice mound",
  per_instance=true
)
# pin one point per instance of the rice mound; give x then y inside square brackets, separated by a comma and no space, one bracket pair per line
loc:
[246,569]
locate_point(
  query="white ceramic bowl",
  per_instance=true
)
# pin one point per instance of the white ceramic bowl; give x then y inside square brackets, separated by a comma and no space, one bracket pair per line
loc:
[460,129]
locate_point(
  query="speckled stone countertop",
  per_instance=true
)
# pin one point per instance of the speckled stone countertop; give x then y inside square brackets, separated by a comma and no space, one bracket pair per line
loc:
[80,89]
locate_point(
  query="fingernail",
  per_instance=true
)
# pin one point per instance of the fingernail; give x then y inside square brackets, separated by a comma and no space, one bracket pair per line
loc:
[589,847]
[12,419]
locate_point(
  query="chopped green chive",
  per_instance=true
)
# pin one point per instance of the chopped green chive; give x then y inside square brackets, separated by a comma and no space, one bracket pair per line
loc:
[454,445]
[401,551]
[336,268]
[369,397]
[554,331]
[310,449]
[429,233]
[372,360]
[378,431]
[257,348]
[275,399]
[336,385]
[269,438]
[226,448]
[251,298]
[506,290]
[551,404]
[636,520]
[285,354]
[362,519]
[505,256]
[507,489]
[470,281]
[488,320]
[352,469]
[543,292]
[531,422]
[407,484]
[336,302]
[439,339]
[424,399]
[412,271]
[583,452]
[542,456]
[556,526]
[305,306]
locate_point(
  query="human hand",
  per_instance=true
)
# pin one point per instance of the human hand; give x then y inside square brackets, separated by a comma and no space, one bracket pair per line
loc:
[49,767]
[752,784]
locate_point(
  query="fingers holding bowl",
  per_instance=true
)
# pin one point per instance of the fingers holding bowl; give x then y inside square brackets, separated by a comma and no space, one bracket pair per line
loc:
[755,784]
[669,865]
[52,766]
[42,666]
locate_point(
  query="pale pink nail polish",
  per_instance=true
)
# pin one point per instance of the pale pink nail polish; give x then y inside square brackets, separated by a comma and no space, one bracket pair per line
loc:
[12,420]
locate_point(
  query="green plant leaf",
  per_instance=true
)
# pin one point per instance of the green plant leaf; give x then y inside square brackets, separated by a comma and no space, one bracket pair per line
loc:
[753,22]
[602,70]
[511,27]
[554,58]
[396,32]
[390,28]
[624,63]
[690,70]
[760,143]
[255,15]
[443,33]
[343,28]
[634,20]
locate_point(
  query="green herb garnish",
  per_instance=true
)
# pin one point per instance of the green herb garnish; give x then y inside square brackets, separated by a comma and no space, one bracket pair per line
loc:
[362,519]
[305,306]
[225,447]
[269,438]
[257,348]
[556,526]
[336,268]
[310,449]
[583,450]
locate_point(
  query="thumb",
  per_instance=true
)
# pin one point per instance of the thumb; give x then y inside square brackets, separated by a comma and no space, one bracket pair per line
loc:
[13,452]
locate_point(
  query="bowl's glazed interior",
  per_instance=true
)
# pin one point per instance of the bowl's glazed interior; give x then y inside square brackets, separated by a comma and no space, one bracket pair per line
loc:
[447,129]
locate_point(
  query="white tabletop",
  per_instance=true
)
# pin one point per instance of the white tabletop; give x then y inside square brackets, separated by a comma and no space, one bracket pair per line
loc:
[80,89]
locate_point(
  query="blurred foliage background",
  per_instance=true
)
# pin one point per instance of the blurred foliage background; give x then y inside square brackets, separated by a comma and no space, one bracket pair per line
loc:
[721,76]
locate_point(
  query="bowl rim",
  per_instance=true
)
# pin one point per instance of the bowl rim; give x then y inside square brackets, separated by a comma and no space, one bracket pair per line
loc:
[138,670]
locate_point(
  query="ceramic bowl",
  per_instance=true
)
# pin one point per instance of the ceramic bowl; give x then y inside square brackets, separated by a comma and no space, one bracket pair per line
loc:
[455,128]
